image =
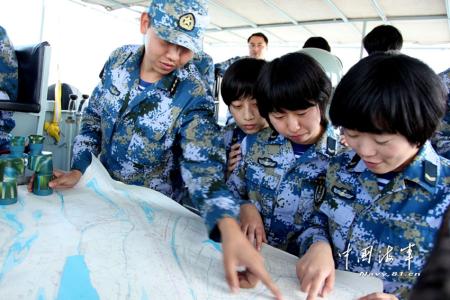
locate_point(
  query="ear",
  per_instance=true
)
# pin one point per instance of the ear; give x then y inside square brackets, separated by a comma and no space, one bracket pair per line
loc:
[145,22]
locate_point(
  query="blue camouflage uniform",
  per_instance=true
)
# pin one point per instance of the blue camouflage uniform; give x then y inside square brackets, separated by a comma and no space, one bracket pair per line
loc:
[161,135]
[445,76]
[205,66]
[283,188]
[441,139]
[8,86]
[387,234]
[221,68]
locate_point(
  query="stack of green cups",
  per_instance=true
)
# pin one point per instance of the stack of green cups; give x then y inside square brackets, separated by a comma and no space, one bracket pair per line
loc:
[10,169]
[42,165]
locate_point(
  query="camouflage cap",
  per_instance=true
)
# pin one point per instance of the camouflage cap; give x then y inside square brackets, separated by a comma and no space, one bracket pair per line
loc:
[180,22]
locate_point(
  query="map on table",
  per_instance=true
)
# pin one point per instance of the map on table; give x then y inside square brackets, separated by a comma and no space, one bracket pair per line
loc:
[107,240]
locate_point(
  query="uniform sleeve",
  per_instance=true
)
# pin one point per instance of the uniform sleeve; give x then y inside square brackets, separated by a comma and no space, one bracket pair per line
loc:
[317,225]
[316,231]
[88,141]
[435,276]
[7,124]
[209,75]
[221,68]
[237,182]
[204,64]
[8,67]
[441,139]
[203,163]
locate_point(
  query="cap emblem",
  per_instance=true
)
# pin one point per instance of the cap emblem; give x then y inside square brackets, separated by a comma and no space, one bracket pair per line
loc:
[187,22]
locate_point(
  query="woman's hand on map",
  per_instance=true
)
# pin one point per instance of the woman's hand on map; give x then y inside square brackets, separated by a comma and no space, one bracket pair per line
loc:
[61,179]
[315,270]
[379,296]
[252,225]
[238,252]
[65,180]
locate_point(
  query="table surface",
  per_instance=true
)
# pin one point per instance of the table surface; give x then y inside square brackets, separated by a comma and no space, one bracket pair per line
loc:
[107,240]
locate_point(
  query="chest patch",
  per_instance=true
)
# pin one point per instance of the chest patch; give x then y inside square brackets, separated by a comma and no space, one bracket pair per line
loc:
[343,193]
[267,162]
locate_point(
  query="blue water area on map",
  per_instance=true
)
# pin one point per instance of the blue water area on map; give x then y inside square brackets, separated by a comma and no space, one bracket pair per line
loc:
[75,281]
[11,219]
[148,210]
[93,185]
[16,254]
[217,246]
[61,198]
[144,295]
[37,215]
[177,258]
[41,294]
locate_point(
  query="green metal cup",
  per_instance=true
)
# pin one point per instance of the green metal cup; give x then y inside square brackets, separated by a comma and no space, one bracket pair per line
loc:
[8,192]
[17,146]
[18,140]
[42,165]
[10,169]
[40,185]
[36,143]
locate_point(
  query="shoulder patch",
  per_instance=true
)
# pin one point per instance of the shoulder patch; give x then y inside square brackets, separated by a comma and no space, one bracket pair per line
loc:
[430,175]
[331,146]
[355,160]
[234,139]
[173,87]
[273,136]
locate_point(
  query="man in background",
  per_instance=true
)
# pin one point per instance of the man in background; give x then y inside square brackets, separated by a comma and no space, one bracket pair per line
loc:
[257,48]
[383,38]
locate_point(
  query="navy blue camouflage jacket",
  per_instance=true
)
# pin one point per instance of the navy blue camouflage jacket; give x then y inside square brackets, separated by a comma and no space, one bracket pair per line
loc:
[163,137]
[8,86]
[283,188]
[387,233]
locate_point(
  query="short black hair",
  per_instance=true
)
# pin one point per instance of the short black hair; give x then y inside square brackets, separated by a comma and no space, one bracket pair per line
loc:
[294,81]
[260,34]
[317,42]
[383,38]
[240,78]
[390,93]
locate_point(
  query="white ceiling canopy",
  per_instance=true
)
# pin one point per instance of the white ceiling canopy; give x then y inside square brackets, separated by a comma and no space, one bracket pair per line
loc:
[424,22]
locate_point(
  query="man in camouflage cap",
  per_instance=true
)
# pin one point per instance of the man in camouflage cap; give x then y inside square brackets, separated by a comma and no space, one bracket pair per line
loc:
[8,86]
[151,123]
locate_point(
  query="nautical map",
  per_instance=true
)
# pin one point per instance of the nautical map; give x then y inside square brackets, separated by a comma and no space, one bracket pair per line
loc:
[107,240]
